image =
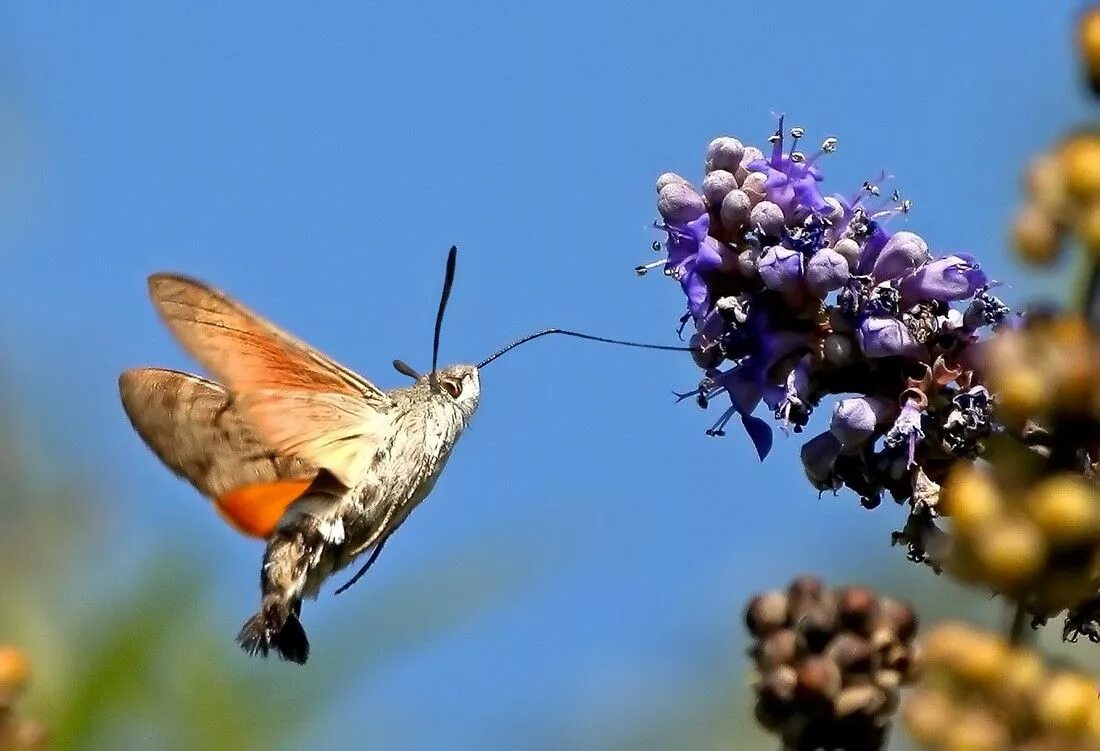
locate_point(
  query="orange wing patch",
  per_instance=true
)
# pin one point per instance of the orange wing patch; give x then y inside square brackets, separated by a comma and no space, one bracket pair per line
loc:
[255,509]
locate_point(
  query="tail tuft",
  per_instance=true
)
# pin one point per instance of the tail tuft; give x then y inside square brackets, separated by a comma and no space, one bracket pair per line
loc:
[275,626]
[292,642]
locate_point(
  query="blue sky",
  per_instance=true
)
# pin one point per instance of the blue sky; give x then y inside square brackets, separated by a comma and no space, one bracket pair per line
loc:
[318,163]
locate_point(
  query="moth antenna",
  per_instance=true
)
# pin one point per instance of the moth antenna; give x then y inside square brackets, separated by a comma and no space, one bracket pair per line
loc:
[405,369]
[579,335]
[448,281]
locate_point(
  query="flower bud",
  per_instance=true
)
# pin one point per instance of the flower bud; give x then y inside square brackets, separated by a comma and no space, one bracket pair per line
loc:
[838,349]
[1066,703]
[900,616]
[853,654]
[1012,552]
[767,218]
[752,154]
[826,271]
[887,337]
[858,607]
[1065,509]
[903,252]
[819,680]
[819,455]
[678,203]
[766,613]
[717,185]
[848,248]
[1036,236]
[780,268]
[755,186]
[855,419]
[724,153]
[778,648]
[735,210]
[1081,161]
[865,700]
[669,178]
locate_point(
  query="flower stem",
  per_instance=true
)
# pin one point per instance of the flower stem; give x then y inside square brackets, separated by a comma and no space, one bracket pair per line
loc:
[1017,628]
[1090,292]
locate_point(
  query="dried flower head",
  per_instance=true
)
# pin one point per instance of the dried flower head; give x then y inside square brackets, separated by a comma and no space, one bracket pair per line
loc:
[830,663]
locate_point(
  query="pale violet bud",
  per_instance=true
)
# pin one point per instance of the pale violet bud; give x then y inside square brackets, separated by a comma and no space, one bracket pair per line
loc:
[826,271]
[679,203]
[667,178]
[717,185]
[781,268]
[748,262]
[856,419]
[724,153]
[735,210]
[755,186]
[848,248]
[903,252]
[768,218]
[887,337]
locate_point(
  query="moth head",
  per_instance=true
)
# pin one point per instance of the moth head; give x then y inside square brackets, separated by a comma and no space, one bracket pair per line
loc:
[461,385]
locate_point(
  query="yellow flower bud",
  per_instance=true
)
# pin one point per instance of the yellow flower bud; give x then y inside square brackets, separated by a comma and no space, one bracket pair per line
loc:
[1081,159]
[1021,393]
[1065,509]
[1066,703]
[1036,236]
[1012,552]
[970,498]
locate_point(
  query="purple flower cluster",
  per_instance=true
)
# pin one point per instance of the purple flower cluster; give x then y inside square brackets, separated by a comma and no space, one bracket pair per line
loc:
[795,294]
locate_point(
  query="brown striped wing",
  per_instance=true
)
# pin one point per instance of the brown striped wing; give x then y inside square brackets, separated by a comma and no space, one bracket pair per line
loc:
[301,402]
[192,427]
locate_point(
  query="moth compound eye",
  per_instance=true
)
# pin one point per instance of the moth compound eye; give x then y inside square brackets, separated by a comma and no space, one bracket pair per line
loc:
[454,388]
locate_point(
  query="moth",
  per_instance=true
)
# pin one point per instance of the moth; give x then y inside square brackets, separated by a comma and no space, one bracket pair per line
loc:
[293,447]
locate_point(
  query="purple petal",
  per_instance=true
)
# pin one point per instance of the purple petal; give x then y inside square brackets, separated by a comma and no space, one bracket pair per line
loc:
[684,240]
[872,249]
[956,277]
[760,433]
[808,196]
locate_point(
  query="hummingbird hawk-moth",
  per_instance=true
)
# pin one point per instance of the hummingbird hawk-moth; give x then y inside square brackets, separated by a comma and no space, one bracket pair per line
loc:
[294,448]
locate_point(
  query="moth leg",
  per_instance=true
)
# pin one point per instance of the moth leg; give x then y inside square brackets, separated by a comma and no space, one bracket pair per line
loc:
[385,530]
[366,566]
